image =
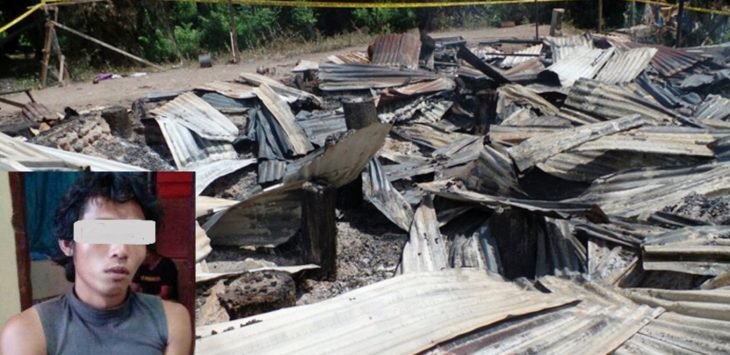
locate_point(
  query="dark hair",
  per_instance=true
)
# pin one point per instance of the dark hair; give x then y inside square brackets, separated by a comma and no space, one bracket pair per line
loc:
[119,187]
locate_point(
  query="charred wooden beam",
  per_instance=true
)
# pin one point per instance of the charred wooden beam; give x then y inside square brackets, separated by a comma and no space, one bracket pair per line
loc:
[319,232]
[471,58]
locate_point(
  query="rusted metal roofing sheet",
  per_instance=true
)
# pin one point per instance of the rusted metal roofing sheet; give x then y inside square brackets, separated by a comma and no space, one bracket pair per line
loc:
[378,191]
[189,150]
[393,316]
[350,58]
[701,250]
[199,116]
[605,101]
[232,90]
[280,110]
[582,63]
[336,77]
[396,50]
[624,67]
[511,61]
[715,107]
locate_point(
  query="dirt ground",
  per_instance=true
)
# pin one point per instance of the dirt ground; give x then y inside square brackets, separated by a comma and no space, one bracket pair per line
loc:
[88,96]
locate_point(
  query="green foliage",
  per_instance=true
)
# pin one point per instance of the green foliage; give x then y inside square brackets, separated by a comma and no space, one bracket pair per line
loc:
[385,20]
[188,40]
[156,46]
[302,17]
[256,26]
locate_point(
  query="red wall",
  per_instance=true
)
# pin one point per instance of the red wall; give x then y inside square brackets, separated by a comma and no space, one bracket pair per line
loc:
[176,191]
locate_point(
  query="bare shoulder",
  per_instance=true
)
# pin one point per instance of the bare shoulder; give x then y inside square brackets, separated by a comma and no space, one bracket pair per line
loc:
[23,334]
[179,330]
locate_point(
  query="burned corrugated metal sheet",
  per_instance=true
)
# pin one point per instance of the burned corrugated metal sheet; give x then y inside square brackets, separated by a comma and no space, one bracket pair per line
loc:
[336,77]
[289,94]
[703,250]
[511,61]
[588,166]
[427,87]
[715,107]
[673,333]
[222,102]
[591,326]
[536,150]
[270,171]
[188,149]
[582,63]
[197,115]
[20,156]
[515,94]
[37,112]
[670,61]
[266,219]
[562,47]
[426,248]
[341,162]
[319,126]
[293,134]
[206,174]
[378,191]
[606,101]
[455,191]
[706,304]
[671,140]
[624,67]
[350,58]
[486,52]
[641,192]
[396,50]
[232,90]
[426,135]
[379,318]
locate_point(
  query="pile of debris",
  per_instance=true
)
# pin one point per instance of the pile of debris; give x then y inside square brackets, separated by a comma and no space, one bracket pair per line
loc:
[589,170]
[579,185]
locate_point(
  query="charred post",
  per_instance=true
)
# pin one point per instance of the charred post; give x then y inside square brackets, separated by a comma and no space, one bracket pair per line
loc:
[319,232]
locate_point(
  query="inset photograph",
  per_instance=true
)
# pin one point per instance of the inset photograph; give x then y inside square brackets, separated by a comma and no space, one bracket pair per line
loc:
[97,262]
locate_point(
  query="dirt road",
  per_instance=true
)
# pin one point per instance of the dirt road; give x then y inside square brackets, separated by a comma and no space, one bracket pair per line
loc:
[86,95]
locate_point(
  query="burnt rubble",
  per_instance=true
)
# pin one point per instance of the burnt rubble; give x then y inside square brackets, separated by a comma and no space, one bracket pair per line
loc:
[573,188]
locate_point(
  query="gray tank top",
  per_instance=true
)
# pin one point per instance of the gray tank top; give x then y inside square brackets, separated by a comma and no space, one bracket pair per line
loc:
[136,327]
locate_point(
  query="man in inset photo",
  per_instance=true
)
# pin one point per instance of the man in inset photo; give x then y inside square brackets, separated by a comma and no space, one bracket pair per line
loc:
[103,226]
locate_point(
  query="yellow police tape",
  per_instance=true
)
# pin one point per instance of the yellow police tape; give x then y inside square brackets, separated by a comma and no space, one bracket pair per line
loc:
[372,4]
[687,8]
[345,4]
